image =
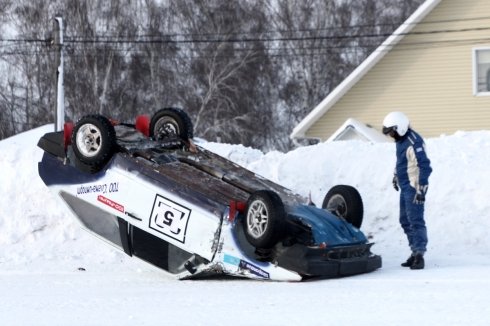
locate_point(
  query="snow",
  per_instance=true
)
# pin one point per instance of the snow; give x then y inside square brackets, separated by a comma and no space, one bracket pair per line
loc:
[41,249]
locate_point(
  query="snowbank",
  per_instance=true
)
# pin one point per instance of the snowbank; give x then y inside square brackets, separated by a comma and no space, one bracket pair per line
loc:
[41,249]
[457,208]
[38,234]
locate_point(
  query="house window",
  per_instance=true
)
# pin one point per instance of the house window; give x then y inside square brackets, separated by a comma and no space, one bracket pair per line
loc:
[481,79]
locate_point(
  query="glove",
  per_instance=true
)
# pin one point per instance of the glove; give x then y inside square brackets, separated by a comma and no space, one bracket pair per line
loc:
[420,195]
[395,182]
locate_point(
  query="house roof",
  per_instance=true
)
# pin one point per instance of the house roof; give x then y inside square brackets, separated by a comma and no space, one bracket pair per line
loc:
[325,105]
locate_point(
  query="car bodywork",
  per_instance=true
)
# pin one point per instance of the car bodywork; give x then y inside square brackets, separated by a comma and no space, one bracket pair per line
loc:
[181,209]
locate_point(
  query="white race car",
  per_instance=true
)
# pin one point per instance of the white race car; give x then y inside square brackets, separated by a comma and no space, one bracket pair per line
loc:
[147,190]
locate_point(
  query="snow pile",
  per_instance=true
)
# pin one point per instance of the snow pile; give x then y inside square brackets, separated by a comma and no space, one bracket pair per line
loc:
[37,234]
[457,208]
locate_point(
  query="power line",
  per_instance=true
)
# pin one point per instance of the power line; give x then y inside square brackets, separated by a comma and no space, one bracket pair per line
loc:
[267,52]
[24,40]
[356,47]
[245,40]
[278,39]
[298,30]
[276,55]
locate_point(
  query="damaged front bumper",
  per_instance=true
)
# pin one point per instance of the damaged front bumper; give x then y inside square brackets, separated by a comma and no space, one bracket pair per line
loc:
[328,262]
[296,262]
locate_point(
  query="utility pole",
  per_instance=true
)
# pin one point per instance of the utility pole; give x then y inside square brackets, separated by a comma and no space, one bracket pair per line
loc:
[59,113]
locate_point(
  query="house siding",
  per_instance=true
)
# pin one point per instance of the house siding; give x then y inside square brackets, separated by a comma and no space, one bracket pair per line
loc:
[429,77]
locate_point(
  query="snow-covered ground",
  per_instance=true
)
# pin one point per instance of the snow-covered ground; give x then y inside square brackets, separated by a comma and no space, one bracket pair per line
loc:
[41,249]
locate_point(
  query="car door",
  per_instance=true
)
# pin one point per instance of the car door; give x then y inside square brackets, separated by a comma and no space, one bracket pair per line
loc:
[169,213]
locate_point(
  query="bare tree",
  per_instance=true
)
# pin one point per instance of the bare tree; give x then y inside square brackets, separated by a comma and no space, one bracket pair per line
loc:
[95,57]
[246,72]
[23,90]
[221,90]
[321,42]
[155,63]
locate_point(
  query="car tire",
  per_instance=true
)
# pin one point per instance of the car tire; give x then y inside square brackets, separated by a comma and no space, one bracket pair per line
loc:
[264,219]
[345,202]
[93,141]
[171,122]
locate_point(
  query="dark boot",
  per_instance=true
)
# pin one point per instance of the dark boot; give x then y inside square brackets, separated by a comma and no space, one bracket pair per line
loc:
[409,261]
[418,263]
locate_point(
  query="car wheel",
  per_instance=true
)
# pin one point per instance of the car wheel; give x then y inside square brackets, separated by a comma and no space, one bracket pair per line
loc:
[171,122]
[94,140]
[345,202]
[264,219]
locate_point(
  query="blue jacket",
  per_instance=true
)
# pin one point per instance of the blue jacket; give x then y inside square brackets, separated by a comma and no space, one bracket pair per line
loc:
[412,164]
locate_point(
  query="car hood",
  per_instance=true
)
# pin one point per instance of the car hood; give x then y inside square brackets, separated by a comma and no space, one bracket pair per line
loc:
[327,228]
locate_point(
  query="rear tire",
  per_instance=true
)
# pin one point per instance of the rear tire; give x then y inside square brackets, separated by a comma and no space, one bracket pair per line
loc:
[171,122]
[264,219]
[345,202]
[94,141]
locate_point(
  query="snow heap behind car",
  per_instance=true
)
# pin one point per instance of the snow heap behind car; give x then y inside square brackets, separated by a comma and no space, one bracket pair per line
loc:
[149,191]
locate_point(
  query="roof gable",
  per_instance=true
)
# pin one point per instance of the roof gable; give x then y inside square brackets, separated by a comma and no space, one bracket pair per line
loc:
[300,130]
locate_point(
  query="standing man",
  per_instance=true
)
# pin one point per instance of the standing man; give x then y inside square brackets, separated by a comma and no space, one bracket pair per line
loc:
[412,176]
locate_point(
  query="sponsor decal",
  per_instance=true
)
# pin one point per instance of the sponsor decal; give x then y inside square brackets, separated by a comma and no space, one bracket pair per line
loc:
[245,266]
[253,269]
[169,218]
[102,188]
[111,203]
[420,149]
[231,260]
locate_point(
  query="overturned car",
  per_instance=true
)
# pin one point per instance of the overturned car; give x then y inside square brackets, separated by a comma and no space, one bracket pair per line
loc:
[149,191]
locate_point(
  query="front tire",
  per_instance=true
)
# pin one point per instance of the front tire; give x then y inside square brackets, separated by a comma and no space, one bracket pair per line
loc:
[94,140]
[264,219]
[345,202]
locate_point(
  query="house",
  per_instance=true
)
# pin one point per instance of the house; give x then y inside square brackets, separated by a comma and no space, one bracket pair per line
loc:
[435,68]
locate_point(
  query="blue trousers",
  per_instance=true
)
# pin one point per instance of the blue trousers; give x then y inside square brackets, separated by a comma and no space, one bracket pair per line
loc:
[412,221]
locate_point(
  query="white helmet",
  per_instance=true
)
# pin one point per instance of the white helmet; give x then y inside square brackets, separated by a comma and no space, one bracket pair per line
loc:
[396,121]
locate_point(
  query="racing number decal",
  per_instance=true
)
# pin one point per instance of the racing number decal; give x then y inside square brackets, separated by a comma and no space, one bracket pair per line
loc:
[169,218]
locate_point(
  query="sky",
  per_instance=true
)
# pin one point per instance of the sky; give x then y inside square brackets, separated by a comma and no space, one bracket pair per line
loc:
[53,273]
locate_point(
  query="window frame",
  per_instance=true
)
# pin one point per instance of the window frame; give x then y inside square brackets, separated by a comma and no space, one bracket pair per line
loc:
[475,72]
